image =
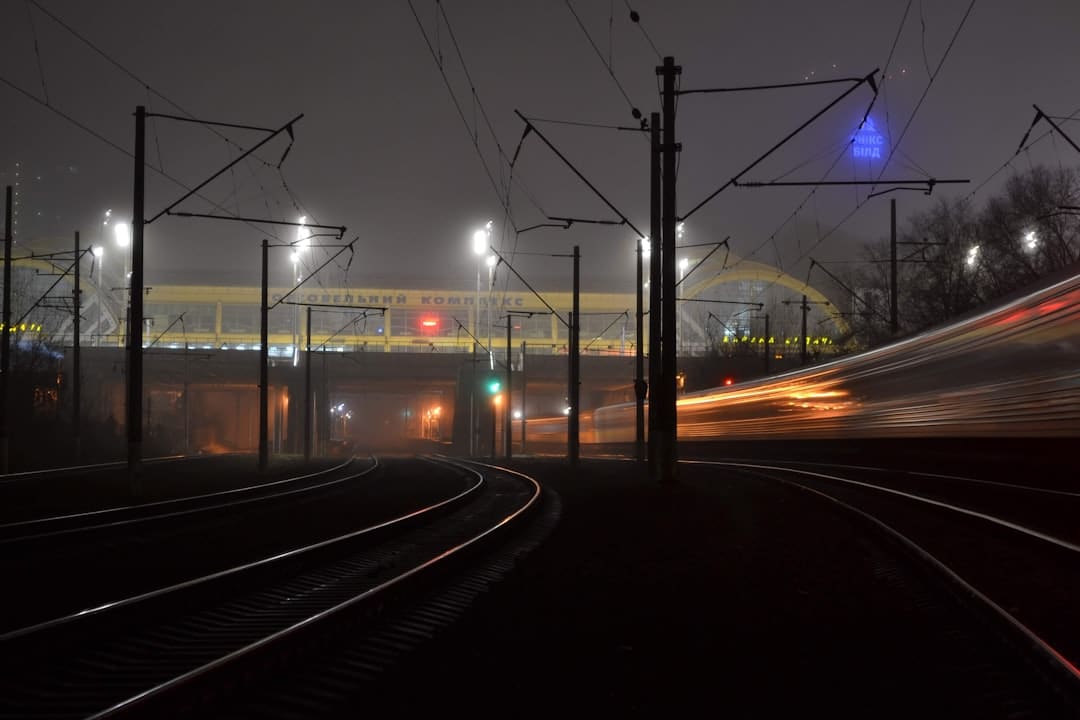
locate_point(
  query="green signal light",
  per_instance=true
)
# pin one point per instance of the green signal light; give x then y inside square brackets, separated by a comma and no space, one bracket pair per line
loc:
[493,386]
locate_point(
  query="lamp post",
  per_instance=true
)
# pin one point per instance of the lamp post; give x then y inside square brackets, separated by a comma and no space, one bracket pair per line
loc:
[303,241]
[99,254]
[640,386]
[480,242]
[683,264]
[122,233]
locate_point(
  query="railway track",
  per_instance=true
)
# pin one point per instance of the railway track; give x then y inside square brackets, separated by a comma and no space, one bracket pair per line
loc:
[180,649]
[124,517]
[981,543]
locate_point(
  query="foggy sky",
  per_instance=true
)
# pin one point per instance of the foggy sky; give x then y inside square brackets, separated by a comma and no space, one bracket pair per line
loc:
[382,150]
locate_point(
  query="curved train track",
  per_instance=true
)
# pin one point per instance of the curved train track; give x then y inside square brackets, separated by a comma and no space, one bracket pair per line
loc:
[1007,552]
[177,649]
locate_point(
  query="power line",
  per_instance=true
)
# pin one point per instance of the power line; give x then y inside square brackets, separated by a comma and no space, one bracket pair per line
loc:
[579,123]
[885,73]
[129,73]
[1023,148]
[150,90]
[635,18]
[435,55]
[926,90]
[859,205]
[37,52]
[479,103]
[110,143]
[633,108]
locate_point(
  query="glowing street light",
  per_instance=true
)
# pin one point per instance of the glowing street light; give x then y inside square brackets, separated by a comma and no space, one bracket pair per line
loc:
[481,239]
[684,263]
[97,251]
[1031,240]
[123,234]
[303,233]
[972,255]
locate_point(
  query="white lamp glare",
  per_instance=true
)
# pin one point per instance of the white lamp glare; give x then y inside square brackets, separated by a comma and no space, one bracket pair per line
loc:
[123,234]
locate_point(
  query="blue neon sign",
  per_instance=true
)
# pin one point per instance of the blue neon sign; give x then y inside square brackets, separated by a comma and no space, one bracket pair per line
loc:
[868,143]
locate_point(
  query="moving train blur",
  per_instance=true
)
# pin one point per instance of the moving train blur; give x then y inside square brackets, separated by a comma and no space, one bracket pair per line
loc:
[1010,371]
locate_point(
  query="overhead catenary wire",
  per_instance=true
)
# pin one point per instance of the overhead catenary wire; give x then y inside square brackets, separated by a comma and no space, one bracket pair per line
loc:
[611,71]
[635,17]
[437,57]
[37,52]
[888,61]
[86,41]
[150,90]
[87,129]
[478,103]
[811,195]
[895,145]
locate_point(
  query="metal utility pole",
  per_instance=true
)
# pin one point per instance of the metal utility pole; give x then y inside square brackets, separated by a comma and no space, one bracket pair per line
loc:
[805,305]
[768,345]
[894,318]
[654,390]
[639,360]
[494,419]
[668,426]
[5,343]
[508,428]
[802,340]
[264,359]
[523,413]
[307,391]
[135,319]
[76,367]
[474,423]
[574,424]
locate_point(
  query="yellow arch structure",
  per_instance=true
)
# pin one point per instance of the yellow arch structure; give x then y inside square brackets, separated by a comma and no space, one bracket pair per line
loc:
[750,270]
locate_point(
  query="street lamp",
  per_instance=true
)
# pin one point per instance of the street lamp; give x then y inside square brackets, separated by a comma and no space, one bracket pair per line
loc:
[481,240]
[303,241]
[684,263]
[1031,240]
[122,235]
[99,253]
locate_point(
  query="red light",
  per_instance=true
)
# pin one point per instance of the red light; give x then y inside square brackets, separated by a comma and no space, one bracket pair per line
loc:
[729,381]
[429,323]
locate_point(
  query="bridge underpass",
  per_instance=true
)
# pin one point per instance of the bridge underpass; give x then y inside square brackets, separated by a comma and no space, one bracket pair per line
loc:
[207,400]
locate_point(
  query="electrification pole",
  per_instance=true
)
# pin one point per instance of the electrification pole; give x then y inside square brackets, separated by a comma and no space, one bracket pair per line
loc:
[135,318]
[76,367]
[264,360]
[894,317]
[768,345]
[508,429]
[655,392]
[574,424]
[5,343]
[523,384]
[669,430]
[639,360]
[307,391]
[802,340]
[474,422]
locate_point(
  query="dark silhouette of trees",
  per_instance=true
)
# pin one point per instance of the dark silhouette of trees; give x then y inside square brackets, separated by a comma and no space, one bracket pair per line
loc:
[955,257]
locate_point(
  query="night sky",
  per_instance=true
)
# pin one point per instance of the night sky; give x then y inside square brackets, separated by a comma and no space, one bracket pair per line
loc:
[383,150]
